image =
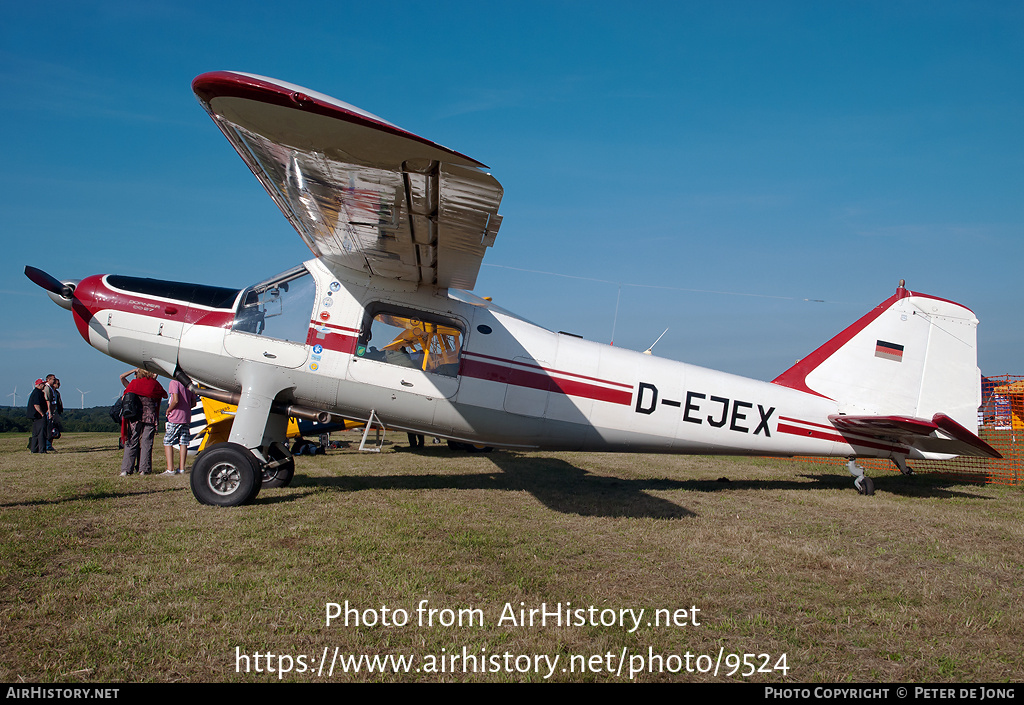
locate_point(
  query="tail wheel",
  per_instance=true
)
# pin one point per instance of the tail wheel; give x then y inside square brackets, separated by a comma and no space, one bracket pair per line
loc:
[866,486]
[226,475]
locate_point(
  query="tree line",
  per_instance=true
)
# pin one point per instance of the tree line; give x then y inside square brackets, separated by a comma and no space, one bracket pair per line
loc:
[95,419]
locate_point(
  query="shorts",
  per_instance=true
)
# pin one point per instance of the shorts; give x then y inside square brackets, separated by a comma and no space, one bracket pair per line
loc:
[176,434]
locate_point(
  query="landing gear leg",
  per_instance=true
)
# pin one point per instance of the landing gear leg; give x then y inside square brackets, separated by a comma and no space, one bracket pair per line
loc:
[254,426]
[232,473]
[864,484]
[901,463]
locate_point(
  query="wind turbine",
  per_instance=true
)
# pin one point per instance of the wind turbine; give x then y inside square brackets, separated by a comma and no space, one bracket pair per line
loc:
[15,395]
[83,396]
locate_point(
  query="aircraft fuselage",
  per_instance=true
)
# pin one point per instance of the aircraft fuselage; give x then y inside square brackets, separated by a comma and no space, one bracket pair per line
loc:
[444,363]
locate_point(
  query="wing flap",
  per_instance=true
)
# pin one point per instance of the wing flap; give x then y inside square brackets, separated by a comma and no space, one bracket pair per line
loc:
[361,192]
[939,435]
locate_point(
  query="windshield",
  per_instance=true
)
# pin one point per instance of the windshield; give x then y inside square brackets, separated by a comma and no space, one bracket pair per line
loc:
[279,307]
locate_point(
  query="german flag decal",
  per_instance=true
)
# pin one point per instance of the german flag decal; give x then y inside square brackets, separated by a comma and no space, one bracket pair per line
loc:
[889,351]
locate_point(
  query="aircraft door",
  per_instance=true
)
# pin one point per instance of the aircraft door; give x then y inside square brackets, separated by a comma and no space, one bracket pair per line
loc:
[415,352]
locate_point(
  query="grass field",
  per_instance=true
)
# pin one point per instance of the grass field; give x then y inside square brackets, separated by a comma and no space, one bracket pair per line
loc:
[104,578]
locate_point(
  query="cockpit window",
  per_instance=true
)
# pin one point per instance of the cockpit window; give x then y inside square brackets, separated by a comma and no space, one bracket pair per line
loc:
[279,307]
[409,339]
[212,296]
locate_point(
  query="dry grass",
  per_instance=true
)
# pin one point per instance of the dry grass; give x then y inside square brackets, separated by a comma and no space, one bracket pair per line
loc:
[104,578]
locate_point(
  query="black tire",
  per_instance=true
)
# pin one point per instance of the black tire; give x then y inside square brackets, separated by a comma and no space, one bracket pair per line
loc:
[869,486]
[282,475]
[226,475]
[865,486]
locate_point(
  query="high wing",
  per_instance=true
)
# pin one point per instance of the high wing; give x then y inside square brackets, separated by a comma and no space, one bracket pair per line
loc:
[940,435]
[361,192]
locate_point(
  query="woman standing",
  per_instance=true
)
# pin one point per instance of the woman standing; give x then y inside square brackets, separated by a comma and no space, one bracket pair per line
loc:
[138,434]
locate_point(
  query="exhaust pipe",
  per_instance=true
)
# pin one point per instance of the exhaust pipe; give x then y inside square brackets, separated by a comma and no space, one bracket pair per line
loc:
[301,412]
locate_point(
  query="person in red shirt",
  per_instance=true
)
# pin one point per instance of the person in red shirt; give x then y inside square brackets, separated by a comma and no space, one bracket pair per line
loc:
[138,434]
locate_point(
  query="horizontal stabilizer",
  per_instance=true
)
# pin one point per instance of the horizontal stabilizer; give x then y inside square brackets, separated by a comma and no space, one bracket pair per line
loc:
[940,435]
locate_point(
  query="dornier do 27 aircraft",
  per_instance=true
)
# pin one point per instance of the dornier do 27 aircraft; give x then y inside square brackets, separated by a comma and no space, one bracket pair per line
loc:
[379,327]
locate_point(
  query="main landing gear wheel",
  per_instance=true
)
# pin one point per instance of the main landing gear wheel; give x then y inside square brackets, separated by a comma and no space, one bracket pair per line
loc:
[226,475]
[280,476]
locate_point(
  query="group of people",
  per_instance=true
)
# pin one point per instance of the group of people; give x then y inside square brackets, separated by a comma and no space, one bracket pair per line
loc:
[137,434]
[45,408]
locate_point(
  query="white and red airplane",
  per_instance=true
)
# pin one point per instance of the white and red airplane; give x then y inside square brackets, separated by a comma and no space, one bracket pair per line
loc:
[379,327]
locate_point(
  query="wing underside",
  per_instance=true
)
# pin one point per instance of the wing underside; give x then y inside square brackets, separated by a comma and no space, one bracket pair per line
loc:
[361,192]
[940,435]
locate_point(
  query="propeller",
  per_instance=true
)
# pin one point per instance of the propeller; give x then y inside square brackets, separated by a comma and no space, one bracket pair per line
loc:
[50,283]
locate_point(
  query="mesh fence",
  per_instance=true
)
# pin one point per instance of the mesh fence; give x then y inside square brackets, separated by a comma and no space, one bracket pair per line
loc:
[1000,424]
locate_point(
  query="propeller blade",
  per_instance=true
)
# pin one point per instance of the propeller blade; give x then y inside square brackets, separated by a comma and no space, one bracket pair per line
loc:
[48,282]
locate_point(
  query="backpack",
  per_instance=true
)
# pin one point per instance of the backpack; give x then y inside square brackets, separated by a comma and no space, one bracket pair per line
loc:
[128,407]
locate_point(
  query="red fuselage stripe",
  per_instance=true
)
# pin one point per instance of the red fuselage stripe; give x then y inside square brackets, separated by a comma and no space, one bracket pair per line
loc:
[820,435]
[807,423]
[331,340]
[506,361]
[539,380]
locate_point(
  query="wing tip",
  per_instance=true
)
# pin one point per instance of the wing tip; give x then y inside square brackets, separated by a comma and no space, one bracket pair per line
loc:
[262,89]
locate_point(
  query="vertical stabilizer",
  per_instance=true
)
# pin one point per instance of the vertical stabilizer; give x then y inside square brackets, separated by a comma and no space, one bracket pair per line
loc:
[912,355]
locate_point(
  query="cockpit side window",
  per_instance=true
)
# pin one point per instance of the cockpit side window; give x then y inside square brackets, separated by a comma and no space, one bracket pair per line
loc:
[408,338]
[278,308]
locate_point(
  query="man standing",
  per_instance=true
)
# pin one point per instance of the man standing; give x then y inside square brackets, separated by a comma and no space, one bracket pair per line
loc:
[51,409]
[56,415]
[37,412]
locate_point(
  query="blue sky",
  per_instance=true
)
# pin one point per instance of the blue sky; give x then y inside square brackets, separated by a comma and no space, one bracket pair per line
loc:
[723,161]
